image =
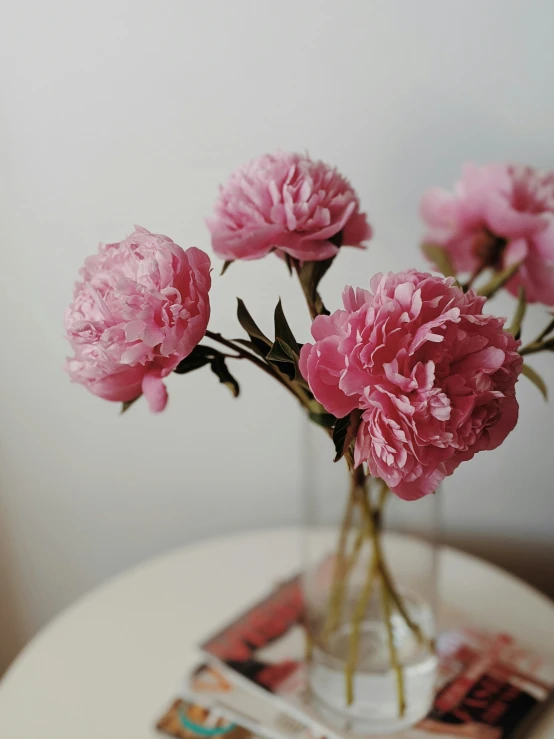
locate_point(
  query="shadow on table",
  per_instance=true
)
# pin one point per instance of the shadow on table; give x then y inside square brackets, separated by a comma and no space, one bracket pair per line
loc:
[530,560]
[12,636]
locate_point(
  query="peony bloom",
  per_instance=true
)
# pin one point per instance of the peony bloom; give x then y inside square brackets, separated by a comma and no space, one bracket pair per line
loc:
[290,203]
[497,216]
[141,307]
[433,376]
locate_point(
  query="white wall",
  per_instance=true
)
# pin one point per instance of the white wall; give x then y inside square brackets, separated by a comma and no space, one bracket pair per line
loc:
[117,113]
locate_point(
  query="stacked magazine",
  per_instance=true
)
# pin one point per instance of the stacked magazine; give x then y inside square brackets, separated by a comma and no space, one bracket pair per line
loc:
[253,682]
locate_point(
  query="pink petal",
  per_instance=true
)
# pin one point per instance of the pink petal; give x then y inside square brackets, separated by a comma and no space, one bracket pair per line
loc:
[356,230]
[334,228]
[250,245]
[438,208]
[119,386]
[307,250]
[154,391]
[505,221]
[486,360]
[515,252]
[421,486]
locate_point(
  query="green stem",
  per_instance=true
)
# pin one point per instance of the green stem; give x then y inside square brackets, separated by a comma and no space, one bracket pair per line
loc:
[399,603]
[353,558]
[364,531]
[538,344]
[337,598]
[242,353]
[475,274]
[313,298]
[359,480]
[270,370]
[395,664]
[377,515]
[353,644]
[314,306]
[547,330]
[384,570]
[339,576]
[382,495]
[308,645]
[519,314]
[386,593]
[498,280]
[531,348]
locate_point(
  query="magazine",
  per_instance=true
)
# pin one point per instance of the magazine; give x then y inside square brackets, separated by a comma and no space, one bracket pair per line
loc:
[189,717]
[488,685]
[208,681]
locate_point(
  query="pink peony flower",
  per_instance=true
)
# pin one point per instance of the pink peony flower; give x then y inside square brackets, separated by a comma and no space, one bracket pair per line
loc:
[433,376]
[290,203]
[498,215]
[141,307]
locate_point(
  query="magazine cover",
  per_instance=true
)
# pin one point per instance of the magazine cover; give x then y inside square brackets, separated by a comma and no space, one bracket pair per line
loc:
[209,682]
[488,685]
[188,718]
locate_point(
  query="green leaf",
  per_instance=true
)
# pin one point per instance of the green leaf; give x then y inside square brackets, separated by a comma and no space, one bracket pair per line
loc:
[203,355]
[250,325]
[219,368]
[498,281]
[255,345]
[322,419]
[440,258]
[127,404]
[281,352]
[288,262]
[280,358]
[283,330]
[536,379]
[285,350]
[226,266]
[286,360]
[519,315]
[318,414]
[345,431]
[340,432]
[189,364]
[199,357]
[204,351]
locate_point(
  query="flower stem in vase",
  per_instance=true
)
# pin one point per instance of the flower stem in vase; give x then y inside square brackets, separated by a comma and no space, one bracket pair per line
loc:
[308,644]
[383,567]
[385,572]
[354,554]
[399,603]
[395,664]
[339,573]
[377,567]
[357,618]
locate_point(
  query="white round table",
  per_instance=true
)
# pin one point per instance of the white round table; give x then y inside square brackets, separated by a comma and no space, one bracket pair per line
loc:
[109,665]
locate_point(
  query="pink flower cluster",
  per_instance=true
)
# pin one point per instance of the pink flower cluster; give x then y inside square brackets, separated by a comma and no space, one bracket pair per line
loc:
[141,306]
[289,203]
[497,216]
[433,376]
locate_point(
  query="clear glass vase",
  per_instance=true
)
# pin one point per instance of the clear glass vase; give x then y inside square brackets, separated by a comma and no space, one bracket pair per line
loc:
[370,590]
